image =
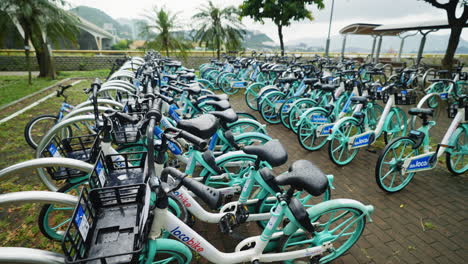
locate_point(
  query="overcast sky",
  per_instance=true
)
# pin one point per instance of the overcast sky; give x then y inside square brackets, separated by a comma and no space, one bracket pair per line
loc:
[346,12]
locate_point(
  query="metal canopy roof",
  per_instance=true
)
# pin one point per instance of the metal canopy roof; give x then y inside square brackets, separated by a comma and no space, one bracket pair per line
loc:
[422,25]
[364,29]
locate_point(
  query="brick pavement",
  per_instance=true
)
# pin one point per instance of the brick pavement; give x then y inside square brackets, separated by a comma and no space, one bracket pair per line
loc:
[396,234]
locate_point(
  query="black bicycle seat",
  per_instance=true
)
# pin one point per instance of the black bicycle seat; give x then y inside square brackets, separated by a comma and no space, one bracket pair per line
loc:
[272,152]
[326,87]
[310,80]
[226,116]
[359,99]
[219,105]
[422,111]
[304,175]
[215,97]
[194,89]
[203,126]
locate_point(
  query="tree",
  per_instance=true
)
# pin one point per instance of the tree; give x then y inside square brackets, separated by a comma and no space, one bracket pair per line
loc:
[41,22]
[456,26]
[219,27]
[282,12]
[165,23]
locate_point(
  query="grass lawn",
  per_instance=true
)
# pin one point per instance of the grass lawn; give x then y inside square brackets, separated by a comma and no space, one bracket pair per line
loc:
[18,224]
[16,87]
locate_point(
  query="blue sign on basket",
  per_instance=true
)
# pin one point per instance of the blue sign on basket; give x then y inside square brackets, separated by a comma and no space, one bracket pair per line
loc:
[54,151]
[444,95]
[81,222]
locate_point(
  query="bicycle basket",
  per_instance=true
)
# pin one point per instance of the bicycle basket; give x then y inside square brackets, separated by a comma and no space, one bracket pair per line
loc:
[405,97]
[109,225]
[83,148]
[125,133]
[376,92]
[118,169]
[452,110]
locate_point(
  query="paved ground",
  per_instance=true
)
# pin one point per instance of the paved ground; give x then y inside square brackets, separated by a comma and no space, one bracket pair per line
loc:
[425,223]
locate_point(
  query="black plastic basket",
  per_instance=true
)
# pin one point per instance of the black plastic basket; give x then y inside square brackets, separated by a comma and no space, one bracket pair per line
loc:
[405,97]
[83,148]
[108,226]
[452,110]
[376,92]
[118,169]
[125,133]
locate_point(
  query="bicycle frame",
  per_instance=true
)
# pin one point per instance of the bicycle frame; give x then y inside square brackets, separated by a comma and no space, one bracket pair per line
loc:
[427,160]
[177,228]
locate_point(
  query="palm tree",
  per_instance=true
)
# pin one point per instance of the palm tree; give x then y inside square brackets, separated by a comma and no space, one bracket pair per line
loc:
[218,27]
[41,22]
[165,23]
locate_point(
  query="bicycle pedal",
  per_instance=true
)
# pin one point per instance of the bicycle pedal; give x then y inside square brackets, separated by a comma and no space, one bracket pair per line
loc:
[227,223]
[242,214]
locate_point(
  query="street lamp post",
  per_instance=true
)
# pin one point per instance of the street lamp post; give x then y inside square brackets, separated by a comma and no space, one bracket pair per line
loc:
[327,46]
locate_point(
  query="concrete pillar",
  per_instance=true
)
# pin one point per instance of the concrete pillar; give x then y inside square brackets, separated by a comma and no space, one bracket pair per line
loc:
[379,46]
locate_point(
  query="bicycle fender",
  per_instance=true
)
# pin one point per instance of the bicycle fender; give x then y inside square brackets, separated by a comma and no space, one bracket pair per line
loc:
[320,208]
[272,92]
[249,134]
[251,121]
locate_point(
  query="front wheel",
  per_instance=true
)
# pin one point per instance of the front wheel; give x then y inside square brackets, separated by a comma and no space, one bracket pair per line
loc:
[338,150]
[307,131]
[269,107]
[456,159]
[340,226]
[251,95]
[388,170]
[38,127]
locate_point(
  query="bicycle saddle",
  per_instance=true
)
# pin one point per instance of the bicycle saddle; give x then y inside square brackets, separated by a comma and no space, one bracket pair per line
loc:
[326,87]
[226,116]
[272,152]
[203,126]
[423,111]
[219,105]
[193,89]
[304,175]
[215,97]
[310,80]
[359,99]
[188,76]
[287,80]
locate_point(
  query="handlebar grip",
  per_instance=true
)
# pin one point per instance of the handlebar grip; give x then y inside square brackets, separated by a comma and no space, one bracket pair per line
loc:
[166,99]
[193,139]
[126,117]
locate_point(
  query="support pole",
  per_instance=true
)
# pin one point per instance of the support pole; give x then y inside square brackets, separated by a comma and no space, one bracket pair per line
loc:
[327,47]
[344,46]
[373,47]
[402,43]
[422,44]
[379,46]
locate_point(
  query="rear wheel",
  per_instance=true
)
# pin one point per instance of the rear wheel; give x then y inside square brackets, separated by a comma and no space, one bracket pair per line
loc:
[297,109]
[269,107]
[340,226]
[285,109]
[38,127]
[251,95]
[388,170]
[457,158]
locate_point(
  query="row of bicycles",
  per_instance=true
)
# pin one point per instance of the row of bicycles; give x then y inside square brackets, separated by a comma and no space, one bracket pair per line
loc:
[345,107]
[152,151]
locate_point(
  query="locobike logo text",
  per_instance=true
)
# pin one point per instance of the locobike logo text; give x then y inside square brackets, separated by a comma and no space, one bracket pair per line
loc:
[420,163]
[195,245]
[361,141]
[327,130]
[182,198]
[319,119]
